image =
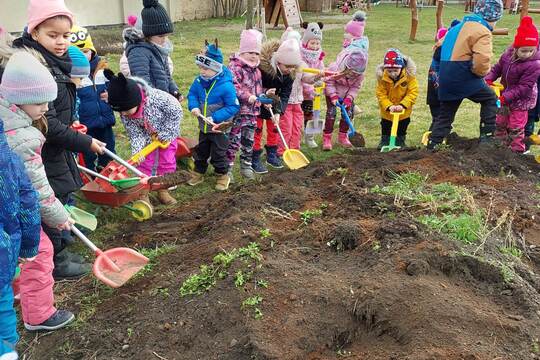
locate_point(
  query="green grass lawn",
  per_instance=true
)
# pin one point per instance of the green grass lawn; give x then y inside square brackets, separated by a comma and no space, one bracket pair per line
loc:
[387,26]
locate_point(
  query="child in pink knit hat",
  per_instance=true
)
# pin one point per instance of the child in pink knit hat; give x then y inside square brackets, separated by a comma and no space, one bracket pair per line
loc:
[247,79]
[354,32]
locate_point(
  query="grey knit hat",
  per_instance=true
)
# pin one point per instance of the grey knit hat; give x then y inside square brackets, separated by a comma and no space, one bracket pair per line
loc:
[155,20]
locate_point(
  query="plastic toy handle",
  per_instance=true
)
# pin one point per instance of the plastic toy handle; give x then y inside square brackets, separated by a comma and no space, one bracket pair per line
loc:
[138,157]
[318,72]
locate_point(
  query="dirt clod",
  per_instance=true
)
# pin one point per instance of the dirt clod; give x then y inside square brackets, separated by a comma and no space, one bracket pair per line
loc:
[345,236]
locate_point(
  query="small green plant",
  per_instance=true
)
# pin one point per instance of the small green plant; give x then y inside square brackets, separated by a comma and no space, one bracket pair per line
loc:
[376,246]
[196,284]
[308,216]
[512,251]
[241,278]
[535,347]
[339,171]
[265,233]
[257,313]
[153,255]
[130,332]
[507,273]
[465,228]
[252,302]
[160,291]
[262,283]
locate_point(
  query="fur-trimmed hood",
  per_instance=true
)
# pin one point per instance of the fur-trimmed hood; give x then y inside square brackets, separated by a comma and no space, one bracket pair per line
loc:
[267,51]
[410,67]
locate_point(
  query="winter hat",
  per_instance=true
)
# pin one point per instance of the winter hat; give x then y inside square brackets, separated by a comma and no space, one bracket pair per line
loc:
[135,21]
[527,33]
[41,10]
[290,33]
[441,33]
[394,59]
[155,20]
[354,59]
[27,81]
[356,26]
[250,41]
[212,58]
[81,38]
[489,10]
[312,31]
[81,66]
[124,93]
[288,53]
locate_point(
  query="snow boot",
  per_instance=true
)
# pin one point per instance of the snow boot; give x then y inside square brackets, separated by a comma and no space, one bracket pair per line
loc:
[256,164]
[327,142]
[272,157]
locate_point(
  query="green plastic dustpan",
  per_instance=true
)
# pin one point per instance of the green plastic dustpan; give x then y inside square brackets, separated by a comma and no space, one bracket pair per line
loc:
[81,217]
[125,183]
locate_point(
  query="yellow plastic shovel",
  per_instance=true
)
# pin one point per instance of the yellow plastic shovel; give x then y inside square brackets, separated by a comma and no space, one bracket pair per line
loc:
[293,158]
[393,132]
[147,150]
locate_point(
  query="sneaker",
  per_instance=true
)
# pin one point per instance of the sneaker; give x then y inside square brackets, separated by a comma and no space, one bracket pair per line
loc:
[256,164]
[230,175]
[69,270]
[272,157]
[196,179]
[246,172]
[57,321]
[166,198]
[12,355]
[310,141]
[222,182]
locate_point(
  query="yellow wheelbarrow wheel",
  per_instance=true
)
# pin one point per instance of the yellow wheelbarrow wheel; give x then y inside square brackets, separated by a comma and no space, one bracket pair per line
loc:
[142,210]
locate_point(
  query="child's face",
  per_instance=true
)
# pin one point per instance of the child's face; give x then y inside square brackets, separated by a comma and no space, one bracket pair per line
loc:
[314,44]
[159,39]
[129,112]
[252,58]
[35,111]
[393,73]
[206,73]
[286,69]
[87,53]
[53,34]
[525,52]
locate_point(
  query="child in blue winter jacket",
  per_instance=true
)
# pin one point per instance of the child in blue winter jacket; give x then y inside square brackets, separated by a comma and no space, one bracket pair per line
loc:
[212,97]
[19,237]
[94,111]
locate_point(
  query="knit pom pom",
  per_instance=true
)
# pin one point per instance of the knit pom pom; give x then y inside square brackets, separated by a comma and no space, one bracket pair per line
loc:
[359,16]
[131,20]
[150,3]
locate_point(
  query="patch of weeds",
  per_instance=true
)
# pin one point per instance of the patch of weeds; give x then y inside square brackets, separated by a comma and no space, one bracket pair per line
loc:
[265,233]
[465,228]
[209,274]
[339,171]
[507,273]
[251,303]
[153,255]
[407,185]
[309,215]
[160,291]
[512,251]
[535,347]
[262,283]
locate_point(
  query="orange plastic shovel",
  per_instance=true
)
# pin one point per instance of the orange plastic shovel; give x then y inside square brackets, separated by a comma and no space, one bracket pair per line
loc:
[114,267]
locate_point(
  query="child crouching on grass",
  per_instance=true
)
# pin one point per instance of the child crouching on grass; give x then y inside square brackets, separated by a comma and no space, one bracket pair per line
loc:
[147,113]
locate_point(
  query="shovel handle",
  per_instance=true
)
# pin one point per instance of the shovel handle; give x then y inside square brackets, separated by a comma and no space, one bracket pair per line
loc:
[93,173]
[150,148]
[123,162]
[346,117]
[279,130]
[94,248]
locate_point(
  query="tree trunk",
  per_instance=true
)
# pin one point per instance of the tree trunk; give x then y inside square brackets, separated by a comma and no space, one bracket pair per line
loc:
[524,8]
[249,14]
[414,20]
[440,6]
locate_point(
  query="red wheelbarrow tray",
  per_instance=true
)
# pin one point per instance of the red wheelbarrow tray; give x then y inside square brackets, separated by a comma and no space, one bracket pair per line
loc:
[95,194]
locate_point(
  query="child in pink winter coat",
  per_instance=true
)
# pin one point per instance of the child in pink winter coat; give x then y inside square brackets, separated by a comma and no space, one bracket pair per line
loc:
[519,69]
[247,80]
[292,121]
[351,65]
[313,56]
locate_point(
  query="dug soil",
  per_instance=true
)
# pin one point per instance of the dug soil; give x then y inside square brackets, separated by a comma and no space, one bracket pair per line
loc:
[359,278]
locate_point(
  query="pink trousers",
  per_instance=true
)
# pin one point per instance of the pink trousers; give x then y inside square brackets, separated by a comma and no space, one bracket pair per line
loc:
[291,124]
[161,161]
[36,284]
[511,129]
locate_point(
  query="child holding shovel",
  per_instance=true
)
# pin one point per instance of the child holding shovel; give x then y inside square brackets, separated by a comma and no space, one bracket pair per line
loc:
[19,237]
[146,113]
[26,89]
[397,90]
[212,99]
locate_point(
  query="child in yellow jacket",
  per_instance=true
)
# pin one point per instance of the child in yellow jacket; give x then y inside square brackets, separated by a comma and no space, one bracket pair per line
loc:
[397,90]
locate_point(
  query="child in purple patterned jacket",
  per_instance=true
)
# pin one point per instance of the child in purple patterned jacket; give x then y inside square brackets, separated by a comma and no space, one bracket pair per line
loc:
[247,80]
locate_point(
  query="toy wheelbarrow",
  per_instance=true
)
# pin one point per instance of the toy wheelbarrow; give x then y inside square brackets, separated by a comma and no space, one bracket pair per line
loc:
[355,138]
[393,133]
[293,158]
[114,267]
[315,126]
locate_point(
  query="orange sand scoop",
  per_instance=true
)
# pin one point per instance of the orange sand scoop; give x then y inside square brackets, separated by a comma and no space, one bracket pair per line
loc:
[114,267]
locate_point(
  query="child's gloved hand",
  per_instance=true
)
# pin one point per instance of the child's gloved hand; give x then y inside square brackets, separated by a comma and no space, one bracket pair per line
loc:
[347,102]
[67,225]
[271,91]
[104,96]
[276,118]
[252,99]
[196,112]
[396,108]
[25,260]
[489,82]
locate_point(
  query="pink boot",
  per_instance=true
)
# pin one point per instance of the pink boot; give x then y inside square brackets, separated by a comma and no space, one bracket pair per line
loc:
[343,140]
[327,142]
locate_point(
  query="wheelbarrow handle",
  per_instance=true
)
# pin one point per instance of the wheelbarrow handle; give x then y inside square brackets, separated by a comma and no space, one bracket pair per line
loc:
[123,162]
[93,173]
[278,129]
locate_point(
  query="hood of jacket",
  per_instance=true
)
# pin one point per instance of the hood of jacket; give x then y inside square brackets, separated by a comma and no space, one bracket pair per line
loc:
[267,51]
[13,117]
